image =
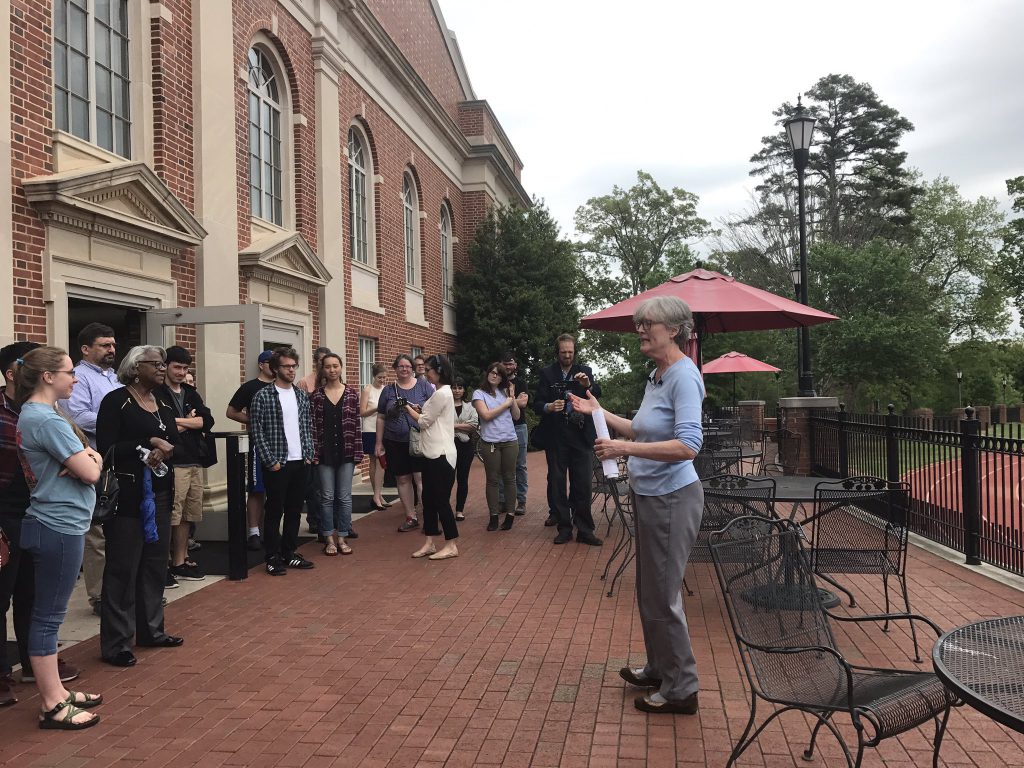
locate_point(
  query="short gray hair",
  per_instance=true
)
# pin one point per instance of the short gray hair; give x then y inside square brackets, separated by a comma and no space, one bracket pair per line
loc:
[670,311]
[129,367]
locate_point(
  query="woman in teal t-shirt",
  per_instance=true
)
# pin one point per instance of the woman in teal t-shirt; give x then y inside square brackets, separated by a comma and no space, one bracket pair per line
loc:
[61,469]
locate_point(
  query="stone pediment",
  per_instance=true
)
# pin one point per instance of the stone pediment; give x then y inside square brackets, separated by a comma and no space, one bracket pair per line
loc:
[124,201]
[284,258]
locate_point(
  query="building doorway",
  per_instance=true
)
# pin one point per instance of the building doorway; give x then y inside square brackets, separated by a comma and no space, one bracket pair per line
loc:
[126,322]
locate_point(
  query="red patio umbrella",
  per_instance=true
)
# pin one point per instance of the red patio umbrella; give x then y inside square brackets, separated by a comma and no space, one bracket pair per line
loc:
[737,362]
[720,304]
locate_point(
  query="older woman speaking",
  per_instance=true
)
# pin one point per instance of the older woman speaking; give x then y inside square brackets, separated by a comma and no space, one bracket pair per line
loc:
[669,501]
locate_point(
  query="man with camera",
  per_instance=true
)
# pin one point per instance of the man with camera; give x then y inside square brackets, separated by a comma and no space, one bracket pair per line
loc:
[568,441]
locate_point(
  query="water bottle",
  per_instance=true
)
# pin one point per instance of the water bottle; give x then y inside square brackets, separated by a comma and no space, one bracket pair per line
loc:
[159,470]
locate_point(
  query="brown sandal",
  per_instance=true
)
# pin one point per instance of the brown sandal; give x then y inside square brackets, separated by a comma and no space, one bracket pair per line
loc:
[330,549]
[344,548]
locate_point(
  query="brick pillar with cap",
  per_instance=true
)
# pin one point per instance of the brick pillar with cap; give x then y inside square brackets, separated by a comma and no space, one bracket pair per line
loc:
[796,417]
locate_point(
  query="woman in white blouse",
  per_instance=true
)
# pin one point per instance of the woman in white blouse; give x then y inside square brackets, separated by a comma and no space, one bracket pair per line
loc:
[436,424]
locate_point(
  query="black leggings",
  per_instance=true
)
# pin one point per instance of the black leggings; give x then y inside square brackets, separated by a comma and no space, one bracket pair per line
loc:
[438,477]
[463,463]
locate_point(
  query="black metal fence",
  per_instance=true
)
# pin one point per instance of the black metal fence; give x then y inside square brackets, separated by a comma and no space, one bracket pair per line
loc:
[966,486]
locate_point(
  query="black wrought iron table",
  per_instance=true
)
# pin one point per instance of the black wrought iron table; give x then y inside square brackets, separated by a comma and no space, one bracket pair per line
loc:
[983,664]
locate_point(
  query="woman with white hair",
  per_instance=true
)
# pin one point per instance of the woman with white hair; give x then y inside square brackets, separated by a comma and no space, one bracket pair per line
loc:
[663,438]
[138,423]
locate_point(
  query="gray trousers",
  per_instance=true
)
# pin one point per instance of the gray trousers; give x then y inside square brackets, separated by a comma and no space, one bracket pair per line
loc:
[133,581]
[666,529]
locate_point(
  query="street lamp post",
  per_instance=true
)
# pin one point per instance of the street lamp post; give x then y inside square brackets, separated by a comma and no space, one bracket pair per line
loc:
[1005,382]
[959,389]
[800,128]
[794,276]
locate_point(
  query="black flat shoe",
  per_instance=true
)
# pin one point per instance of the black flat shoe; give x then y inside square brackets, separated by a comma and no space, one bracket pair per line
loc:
[687,706]
[352,535]
[639,680]
[170,641]
[588,538]
[122,659]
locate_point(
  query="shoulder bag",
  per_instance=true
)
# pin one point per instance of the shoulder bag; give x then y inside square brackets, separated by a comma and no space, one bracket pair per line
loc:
[107,490]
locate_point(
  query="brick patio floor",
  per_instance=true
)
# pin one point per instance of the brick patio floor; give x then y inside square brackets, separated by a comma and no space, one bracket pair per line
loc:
[506,655]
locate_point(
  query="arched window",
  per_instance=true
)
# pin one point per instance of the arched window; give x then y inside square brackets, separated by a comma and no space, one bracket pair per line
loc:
[410,205]
[91,84]
[447,264]
[266,148]
[357,162]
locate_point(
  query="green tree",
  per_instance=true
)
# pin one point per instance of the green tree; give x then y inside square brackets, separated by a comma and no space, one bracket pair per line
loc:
[1011,256]
[890,337]
[519,293]
[955,249]
[858,186]
[632,231]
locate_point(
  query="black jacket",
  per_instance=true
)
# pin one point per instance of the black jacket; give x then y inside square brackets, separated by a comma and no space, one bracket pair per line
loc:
[556,424]
[187,452]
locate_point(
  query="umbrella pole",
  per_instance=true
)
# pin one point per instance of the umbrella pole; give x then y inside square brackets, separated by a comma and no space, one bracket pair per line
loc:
[734,403]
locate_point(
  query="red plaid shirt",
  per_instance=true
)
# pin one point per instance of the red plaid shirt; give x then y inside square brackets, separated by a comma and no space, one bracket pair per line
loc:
[351,427]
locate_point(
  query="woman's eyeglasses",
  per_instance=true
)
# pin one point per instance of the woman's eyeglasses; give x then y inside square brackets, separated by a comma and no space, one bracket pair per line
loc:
[643,325]
[155,363]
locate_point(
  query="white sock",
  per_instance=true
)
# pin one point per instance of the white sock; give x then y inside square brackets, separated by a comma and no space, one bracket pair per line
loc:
[254,531]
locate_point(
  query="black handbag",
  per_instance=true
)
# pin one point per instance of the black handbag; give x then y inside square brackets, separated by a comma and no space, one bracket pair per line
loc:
[206,450]
[107,490]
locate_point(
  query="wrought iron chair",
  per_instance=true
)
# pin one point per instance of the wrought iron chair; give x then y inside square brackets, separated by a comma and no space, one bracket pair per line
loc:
[727,497]
[859,526]
[710,461]
[622,500]
[787,458]
[790,654]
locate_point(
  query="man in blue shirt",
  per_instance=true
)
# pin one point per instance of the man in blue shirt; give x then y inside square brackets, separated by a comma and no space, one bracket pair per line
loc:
[96,377]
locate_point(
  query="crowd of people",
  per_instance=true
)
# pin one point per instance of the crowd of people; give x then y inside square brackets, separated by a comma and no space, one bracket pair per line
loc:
[60,425]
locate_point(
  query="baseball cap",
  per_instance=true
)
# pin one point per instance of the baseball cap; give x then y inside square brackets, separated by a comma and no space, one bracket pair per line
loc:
[265,356]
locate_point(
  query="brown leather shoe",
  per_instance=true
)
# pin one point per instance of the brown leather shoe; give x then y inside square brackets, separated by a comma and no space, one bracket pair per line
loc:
[687,706]
[639,680]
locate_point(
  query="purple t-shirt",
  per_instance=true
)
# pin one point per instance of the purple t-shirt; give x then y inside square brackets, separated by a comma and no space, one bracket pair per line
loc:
[500,429]
[396,420]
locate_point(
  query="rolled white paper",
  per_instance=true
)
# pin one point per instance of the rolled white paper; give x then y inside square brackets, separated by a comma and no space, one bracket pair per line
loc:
[610,466]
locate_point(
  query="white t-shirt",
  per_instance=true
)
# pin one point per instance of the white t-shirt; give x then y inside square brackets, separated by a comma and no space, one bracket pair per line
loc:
[370,422]
[290,415]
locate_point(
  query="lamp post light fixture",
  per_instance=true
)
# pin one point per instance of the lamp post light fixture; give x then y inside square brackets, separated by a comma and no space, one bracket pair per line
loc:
[1005,382]
[959,390]
[794,276]
[800,129]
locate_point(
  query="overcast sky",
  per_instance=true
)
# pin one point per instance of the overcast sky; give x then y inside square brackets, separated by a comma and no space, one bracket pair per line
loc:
[589,91]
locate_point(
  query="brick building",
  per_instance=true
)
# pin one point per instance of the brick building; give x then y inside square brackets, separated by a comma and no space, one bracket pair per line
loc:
[296,171]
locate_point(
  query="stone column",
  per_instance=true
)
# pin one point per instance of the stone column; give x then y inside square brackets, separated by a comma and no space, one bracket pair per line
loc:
[330,211]
[796,417]
[218,354]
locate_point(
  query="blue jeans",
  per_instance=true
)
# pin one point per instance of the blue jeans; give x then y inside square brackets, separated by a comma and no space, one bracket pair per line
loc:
[521,483]
[57,558]
[336,495]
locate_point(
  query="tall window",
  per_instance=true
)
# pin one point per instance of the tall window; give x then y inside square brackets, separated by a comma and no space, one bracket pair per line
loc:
[416,352]
[367,356]
[411,208]
[265,145]
[90,72]
[357,196]
[447,264]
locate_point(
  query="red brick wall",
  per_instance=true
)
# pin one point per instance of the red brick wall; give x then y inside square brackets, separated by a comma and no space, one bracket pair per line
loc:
[31,123]
[415,29]
[391,150]
[173,135]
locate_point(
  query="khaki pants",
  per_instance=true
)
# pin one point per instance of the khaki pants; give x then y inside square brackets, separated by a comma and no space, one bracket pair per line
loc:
[93,561]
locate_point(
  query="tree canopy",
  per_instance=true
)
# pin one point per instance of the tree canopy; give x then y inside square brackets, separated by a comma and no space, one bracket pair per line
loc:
[519,292]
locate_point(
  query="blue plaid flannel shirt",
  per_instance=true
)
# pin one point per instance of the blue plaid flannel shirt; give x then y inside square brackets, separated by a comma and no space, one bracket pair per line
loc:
[266,423]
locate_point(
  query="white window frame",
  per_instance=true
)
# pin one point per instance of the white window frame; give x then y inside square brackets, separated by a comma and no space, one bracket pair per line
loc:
[360,187]
[411,230]
[367,357]
[447,256]
[122,130]
[417,352]
[272,180]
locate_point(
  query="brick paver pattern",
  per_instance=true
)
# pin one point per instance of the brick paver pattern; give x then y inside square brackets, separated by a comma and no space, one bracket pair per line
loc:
[507,655]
